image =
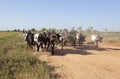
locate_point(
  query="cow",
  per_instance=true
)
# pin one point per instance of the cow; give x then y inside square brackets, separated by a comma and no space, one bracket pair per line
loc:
[69,38]
[29,37]
[38,41]
[80,38]
[43,40]
[52,39]
[95,38]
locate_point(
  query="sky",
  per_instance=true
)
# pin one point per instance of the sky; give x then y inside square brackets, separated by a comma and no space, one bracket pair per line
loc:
[60,14]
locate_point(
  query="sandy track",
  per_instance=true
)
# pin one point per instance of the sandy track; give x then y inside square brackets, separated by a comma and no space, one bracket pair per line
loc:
[88,63]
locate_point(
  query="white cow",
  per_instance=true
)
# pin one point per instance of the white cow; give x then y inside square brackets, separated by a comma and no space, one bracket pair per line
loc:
[95,39]
[80,38]
[36,37]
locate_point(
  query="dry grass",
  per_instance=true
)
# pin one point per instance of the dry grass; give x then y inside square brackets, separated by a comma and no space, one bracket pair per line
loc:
[108,37]
[17,61]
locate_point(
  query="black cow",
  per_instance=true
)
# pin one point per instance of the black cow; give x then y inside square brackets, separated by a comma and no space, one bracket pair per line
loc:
[43,40]
[30,39]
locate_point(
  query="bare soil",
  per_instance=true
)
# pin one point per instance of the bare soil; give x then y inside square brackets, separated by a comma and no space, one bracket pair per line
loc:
[85,63]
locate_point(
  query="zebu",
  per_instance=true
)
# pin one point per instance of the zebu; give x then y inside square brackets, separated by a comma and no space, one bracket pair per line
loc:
[52,40]
[43,40]
[46,40]
[70,38]
[39,40]
[33,39]
[25,35]
[95,39]
[29,37]
[80,38]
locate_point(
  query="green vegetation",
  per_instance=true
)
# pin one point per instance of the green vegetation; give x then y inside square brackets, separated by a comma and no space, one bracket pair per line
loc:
[17,61]
[33,29]
[43,29]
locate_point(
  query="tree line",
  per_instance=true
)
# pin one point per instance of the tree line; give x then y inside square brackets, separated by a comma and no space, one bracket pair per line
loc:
[90,29]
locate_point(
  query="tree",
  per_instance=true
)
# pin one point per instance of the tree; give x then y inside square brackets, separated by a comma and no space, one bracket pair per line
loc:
[15,30]
[43,29]
[88,30]
[18,30]
[95,31]
[33,29]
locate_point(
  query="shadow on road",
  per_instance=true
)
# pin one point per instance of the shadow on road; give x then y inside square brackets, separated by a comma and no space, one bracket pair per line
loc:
[63,52]
[100,48]
[81,51]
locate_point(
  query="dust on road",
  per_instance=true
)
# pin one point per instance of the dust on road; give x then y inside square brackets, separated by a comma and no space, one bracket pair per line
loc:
[87,63]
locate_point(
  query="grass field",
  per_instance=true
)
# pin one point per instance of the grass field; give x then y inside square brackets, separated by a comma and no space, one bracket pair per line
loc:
[112,37]
[17,61]
[108,37]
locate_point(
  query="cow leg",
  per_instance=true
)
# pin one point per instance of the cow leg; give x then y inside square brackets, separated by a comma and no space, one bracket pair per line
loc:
[79,43]
[38,46]
[48,42]
[41,46]
[52,47]
[74,44]
[48,45]
[96,43]
[45,44]
[62,44]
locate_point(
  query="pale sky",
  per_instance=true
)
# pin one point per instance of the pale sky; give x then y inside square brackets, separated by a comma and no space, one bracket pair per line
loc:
[26,14]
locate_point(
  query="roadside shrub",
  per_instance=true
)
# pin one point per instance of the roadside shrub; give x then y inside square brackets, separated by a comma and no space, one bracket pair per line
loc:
[17,61]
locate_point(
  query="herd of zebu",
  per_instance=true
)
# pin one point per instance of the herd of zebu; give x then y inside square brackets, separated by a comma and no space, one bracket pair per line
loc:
[49,39]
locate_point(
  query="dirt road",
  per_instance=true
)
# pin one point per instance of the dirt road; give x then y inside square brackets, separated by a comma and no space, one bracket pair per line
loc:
[87,63]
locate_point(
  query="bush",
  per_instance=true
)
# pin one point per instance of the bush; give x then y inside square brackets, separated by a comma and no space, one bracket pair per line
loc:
[17,61]
[19,65]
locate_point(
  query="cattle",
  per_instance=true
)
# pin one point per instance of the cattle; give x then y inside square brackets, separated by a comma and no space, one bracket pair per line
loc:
[52,39]
[38,40]
[74,38]
[29,37]
[42,40]
[80,38]
[24,34]
[69,38]
[95,38]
